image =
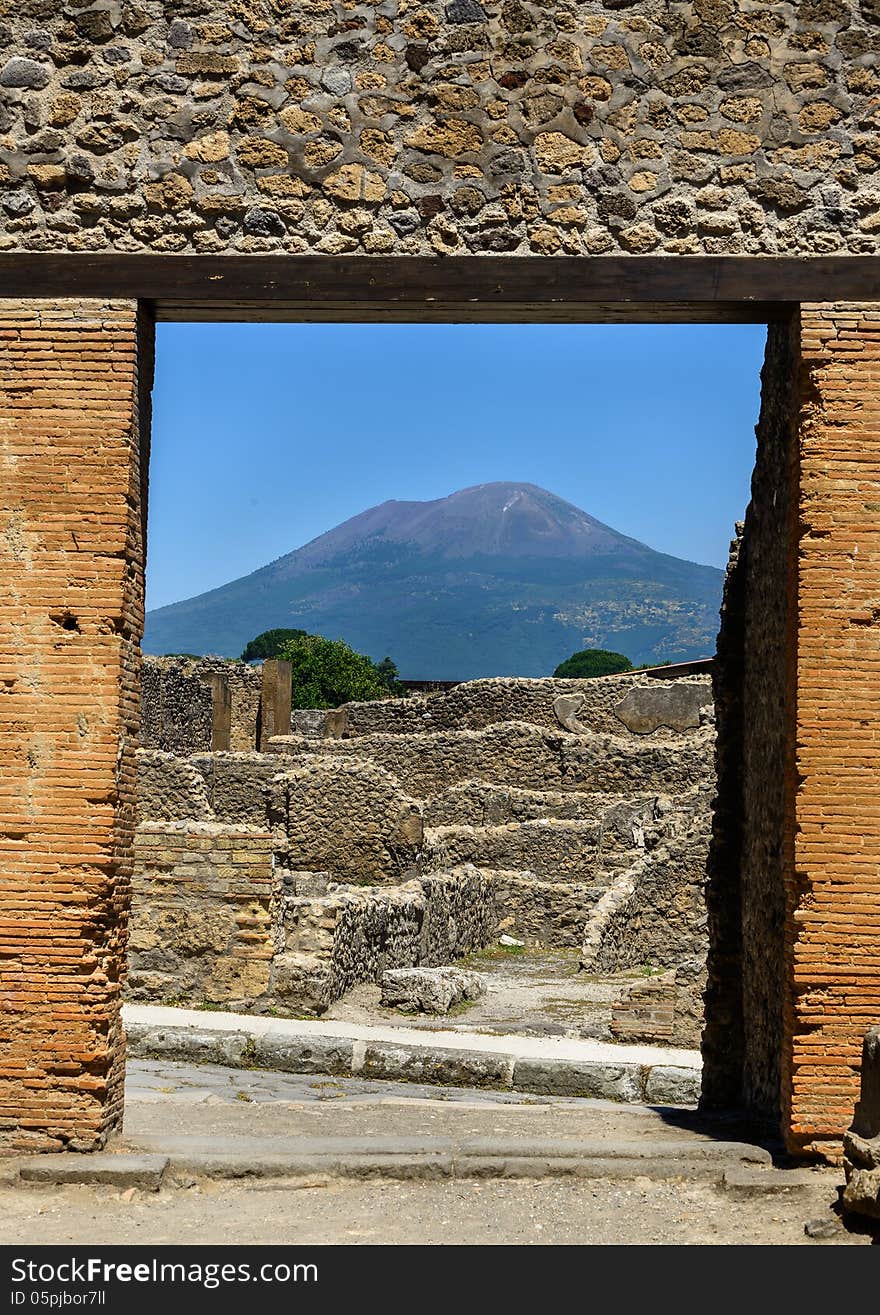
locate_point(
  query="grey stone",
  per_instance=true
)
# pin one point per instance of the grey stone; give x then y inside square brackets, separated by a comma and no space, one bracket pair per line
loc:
[566,708]
[825,1226]
[21,72]
[18,203]
[444,1067]
[262,223]
[861,1145]
[555,1077]
[648,707]
[429,990]
[171,83]
[744,1181]
[119,1170]
[405,222]
[116,55]
[465,11]
[337,81]
[669,1085]
[180,35]
[303,1054]
[739,77]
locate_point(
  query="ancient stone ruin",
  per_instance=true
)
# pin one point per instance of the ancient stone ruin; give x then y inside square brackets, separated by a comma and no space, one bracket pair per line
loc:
[406,833]
[705,161]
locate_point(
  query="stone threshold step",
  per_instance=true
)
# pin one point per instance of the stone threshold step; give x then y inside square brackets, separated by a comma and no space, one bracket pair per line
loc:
[541,1066]
[174,1161]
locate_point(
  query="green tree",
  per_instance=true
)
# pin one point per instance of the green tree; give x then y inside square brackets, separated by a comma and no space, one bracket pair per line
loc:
[593,662]
[269,644]
[327,672]
[388,674]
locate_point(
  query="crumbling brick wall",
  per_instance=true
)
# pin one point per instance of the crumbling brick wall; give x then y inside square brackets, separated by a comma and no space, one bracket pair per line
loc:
[74,389]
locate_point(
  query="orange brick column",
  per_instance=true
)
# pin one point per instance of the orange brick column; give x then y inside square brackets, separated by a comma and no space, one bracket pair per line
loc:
[71,616]
[831,859]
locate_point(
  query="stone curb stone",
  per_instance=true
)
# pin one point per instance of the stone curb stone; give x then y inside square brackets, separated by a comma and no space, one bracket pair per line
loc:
[453,1068]
[427,1158]
[623,1082]
[670,1085]
[744,1182]
[232,1049]
[304,1055]
[116,1170]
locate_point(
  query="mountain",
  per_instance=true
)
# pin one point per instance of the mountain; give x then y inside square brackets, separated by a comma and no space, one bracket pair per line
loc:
[500,579]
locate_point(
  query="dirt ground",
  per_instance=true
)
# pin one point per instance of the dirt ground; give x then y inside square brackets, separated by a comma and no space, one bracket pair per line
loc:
[532,993]
[522,1213]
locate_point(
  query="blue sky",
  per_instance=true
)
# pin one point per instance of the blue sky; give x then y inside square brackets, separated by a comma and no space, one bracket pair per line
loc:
[264,436]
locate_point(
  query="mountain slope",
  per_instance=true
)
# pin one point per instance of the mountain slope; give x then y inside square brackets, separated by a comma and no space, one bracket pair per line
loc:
[500,579]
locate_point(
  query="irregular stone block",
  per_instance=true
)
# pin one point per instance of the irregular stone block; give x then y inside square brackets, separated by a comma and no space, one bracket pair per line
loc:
[429,990]
[861,1145]
[677,706]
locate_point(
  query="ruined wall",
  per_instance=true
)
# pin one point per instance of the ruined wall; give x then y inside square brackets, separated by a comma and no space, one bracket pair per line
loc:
[597,704]
[663,921]
[178,704]
[349,936]
[350,819]
[73,403]
[204,914]
[722,1041]
[176,708]
[536,759]
[747,865]
[711,126]
[169,789]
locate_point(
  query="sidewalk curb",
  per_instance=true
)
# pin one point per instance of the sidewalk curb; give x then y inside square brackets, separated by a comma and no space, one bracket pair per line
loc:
[657,1084]
[425,1159]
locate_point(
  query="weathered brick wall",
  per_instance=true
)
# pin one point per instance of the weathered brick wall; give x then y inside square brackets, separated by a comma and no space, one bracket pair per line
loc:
[832,873]
[447,126]
[204,914]
[71,616]
[808,903]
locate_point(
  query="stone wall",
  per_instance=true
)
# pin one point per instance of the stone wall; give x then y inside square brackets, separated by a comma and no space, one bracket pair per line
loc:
[179,704]
[204,914]
[350,818]
[663,921]
[349,936]
[707,126]
[170,789]
[597,705]
[537,759]
[176,707]
[73,399]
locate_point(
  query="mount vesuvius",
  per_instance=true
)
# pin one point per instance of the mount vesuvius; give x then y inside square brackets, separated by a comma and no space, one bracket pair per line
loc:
[496,580]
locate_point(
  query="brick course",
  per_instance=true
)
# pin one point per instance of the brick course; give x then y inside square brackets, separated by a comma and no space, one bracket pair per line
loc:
[71,617]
